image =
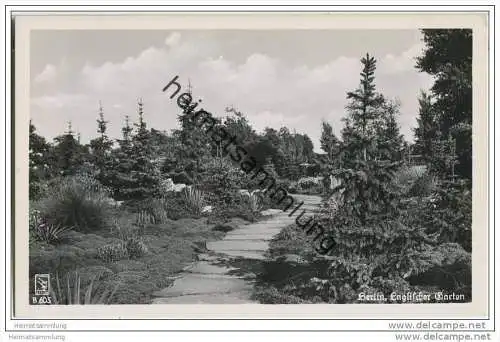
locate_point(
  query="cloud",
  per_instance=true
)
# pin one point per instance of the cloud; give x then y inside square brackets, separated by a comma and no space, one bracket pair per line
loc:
[48,74]
[406,61]
[59,101]
[268,90]
[267,118]
[173,39]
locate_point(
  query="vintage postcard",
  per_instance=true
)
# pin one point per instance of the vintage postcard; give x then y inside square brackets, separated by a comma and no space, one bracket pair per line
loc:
[261,165]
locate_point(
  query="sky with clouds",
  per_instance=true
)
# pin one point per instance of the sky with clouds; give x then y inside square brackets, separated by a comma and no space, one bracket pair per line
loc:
[276,78]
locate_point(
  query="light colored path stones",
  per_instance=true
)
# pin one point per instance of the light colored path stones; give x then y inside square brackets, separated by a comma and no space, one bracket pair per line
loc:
[237,245]
[225,298]
[204,267]
[255,255]
[192,284]
[211,281]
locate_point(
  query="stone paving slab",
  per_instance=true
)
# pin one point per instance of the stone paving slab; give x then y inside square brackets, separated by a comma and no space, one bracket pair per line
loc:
[249,237]
[266,231]
[204,267]
[192,284]
[231,245]
[255,255]
[225,298]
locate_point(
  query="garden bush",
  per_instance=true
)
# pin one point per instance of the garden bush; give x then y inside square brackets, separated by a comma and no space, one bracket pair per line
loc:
[79,202]
[90,242]
[407,176]
[131,248]
[38,189]
[172,205]
[135,247]
[272,295]
[448,213]
[175,206]
[290,240]
[424,185]
[451,268]
[127,265]
[308,186]
[237,209]
[252,200]
[254,180]
[44,258]
[308,182]
[221,181]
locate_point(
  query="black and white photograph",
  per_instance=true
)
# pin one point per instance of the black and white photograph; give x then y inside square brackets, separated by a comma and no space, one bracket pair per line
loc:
[225,166]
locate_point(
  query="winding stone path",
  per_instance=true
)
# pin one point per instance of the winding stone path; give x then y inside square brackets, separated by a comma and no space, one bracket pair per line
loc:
[214,279]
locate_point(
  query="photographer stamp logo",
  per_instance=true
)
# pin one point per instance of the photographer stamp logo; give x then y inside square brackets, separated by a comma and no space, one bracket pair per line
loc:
[42,284]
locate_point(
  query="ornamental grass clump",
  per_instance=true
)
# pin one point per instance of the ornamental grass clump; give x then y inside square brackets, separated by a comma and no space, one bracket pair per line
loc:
[72,293]
[80,202]
[194,200]
[40,230]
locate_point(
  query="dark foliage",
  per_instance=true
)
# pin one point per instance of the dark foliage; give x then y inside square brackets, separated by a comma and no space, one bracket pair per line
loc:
[448,57]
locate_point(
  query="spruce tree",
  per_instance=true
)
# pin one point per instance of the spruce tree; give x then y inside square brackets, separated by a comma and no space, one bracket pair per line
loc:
[144,170]
[364,107]
[195,145]
[448,57]
[365,177]
[68,154]
[101,147]
[376,247]
[329,142]
[390,141]
[119,177]
[426,133]
[134,175]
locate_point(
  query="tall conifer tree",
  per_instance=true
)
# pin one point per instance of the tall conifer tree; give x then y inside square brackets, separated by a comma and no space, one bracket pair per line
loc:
[68,154]
[101,146]
[391,144]
[364,108]
[426,133]
[448,57]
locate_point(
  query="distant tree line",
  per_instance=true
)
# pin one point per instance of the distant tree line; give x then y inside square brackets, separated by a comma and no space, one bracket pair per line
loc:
[134,165]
